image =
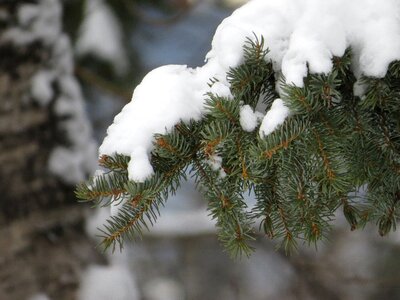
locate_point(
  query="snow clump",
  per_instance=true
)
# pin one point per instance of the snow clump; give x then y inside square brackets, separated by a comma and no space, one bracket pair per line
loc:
[249,119]
[274,117]
[301,35]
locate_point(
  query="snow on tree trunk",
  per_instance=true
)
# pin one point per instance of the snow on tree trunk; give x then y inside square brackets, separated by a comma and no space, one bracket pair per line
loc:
[43,127]
[45,147]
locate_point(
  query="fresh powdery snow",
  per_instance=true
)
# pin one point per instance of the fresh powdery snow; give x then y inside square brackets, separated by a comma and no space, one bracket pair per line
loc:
[300,34]
[274,117]
[249,119]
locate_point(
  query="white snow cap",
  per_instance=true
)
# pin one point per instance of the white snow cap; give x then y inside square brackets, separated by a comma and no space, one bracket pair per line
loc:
[249,119]
[300,34]
[165,96]
[274,117]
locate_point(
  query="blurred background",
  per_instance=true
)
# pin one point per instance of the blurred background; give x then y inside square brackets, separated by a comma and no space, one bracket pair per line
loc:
[66,69]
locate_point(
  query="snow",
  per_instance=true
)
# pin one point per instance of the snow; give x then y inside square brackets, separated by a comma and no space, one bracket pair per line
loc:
[150,112]
[274,117]
[310,32]
[27,14]
[215,162]
[42,22]
[274,283]
[74,162]
[101,35]
[163,288]
[221,89]
[249,119]
[359,88]
[40,296]
[41,89]
[302,35]
[108,282]
[63,55]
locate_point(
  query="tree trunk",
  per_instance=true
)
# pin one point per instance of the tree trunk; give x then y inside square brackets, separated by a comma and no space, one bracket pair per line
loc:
[42,243]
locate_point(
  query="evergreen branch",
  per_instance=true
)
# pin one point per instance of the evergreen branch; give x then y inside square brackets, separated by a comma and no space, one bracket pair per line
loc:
[324,89]
[342,65]
[297,99]
[132,216]
[210,146]
[388,219]
[283,145]
[235,229]
[111,239]
[290,131]
[163,143]
[103,189]
[114,163]
[332,143]
[223,108]
[225,111]
[325,120]
[351,213]
[288,237]
[326,161]
[387,138]
[245,174]
[208,181]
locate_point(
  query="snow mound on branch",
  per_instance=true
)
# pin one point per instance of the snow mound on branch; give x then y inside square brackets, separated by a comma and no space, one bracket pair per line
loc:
[301,35]
[274,117]
[165,96]
[249,119]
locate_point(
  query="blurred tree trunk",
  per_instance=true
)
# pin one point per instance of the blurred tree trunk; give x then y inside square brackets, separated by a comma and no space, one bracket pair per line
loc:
[43,247]
[27,130]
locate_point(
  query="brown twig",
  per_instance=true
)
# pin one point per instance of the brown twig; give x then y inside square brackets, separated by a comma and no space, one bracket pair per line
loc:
[99,82]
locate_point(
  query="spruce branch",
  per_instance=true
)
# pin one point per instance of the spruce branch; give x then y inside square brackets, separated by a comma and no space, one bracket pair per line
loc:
[333,143]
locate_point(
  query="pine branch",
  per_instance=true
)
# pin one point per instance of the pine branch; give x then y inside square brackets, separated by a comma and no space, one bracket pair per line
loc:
[333,143]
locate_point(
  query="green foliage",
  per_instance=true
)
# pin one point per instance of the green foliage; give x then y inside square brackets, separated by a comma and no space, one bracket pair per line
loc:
[333,144]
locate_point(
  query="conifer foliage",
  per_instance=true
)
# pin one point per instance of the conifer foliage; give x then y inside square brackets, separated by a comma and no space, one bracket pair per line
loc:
[334,143]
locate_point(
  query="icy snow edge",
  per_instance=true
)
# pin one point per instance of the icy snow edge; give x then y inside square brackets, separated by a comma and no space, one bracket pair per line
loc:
[301,35]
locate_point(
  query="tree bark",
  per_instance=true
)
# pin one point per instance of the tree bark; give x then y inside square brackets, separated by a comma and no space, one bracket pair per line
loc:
[28,131]
[43,247]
